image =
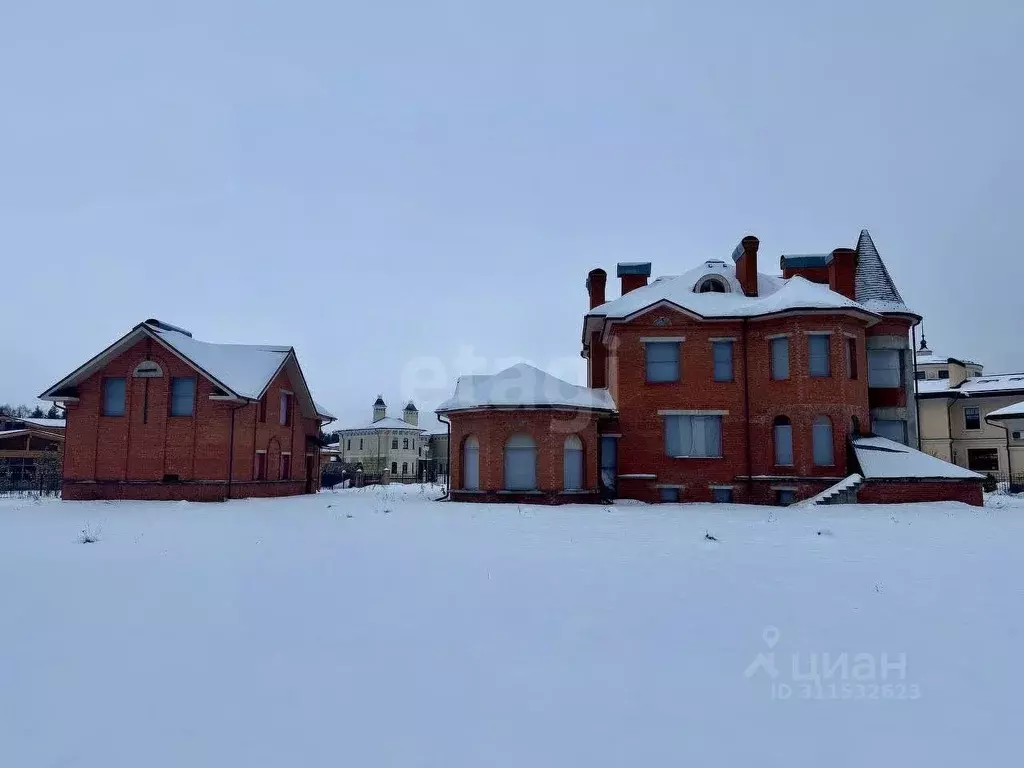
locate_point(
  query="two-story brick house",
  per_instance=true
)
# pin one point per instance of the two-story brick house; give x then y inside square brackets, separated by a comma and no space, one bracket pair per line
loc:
[720,384]
[161,415]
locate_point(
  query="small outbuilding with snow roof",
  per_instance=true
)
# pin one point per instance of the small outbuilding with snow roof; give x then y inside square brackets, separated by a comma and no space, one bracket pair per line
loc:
[161,415]
[525,435]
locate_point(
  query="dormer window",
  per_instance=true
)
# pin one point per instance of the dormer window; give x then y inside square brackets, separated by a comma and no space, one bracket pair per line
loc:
[712,285]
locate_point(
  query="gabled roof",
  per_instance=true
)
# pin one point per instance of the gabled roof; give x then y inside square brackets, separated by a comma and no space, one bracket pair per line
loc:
[873,285]
[880,457]
[243,371]
[523,386]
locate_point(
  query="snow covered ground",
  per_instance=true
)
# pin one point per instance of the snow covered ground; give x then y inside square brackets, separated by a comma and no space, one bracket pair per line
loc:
[375,628]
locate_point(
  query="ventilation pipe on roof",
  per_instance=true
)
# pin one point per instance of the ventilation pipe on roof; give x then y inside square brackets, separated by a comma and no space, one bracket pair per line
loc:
[167,327]
[596,280]
[745,256]
[633,274]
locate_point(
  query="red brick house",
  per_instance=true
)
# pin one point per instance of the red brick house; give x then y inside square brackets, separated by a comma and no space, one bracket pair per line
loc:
[161,415]
[720,384]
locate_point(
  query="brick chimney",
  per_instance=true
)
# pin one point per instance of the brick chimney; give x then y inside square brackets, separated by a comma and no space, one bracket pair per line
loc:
[633,274]
[745,256]
[842,271]
[596,280]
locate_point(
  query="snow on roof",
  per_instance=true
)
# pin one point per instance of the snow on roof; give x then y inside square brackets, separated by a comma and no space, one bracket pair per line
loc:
[322,412]
[933,386]
[61,423]
[995,383]
[1015,411]
[523,386]
[880,457]
[776,294]
[931,357]
[873,286]
[387,422]
[4,433]
[245,368]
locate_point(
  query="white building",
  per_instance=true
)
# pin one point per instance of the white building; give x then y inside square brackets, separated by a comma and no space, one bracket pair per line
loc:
[385,444]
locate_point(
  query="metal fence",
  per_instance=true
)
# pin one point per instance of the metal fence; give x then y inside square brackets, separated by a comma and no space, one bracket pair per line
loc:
[31,487]
[1004,481]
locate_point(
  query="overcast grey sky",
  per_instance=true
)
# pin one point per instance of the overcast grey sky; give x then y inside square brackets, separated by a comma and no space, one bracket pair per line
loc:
[377,182]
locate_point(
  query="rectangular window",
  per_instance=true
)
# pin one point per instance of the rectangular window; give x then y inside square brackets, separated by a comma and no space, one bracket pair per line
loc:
[360,444]
[662,361]
[262,410]
[920,375]
[780,358]
[893,429]
[183,396]
[944,373]
[783,445]
[721,495]
[722,353]
[693,436]
[972,418]
[114,396]
[784,497]
[286,466]
[668,495]
[261,466]
[983,459]
[348,445]
[851,358]
[819,347]
[394,444]
[286,409]
[884,368]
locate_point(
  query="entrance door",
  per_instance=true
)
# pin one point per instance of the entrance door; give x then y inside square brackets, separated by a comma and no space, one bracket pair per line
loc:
[309,474]
[609,465]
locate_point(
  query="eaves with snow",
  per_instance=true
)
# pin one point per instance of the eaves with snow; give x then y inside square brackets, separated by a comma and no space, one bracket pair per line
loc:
[524,386]
[881,458]
[875,292]
[241,371]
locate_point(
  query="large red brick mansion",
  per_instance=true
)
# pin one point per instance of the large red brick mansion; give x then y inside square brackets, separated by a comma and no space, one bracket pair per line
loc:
[720,384]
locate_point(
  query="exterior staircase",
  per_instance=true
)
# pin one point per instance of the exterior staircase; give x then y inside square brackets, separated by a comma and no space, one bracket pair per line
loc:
[843,492]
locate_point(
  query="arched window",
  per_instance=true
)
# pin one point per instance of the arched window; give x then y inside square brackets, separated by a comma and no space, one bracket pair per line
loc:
[394,467]
[712,284]
[572,477]
[471,464]
[783,433]
[405,444]
[520,464]
[405,467]
[821,439]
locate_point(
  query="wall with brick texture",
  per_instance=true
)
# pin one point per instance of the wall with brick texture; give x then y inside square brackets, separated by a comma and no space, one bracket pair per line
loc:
[895,492]
[800,398]
[147,443]
[549,429]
